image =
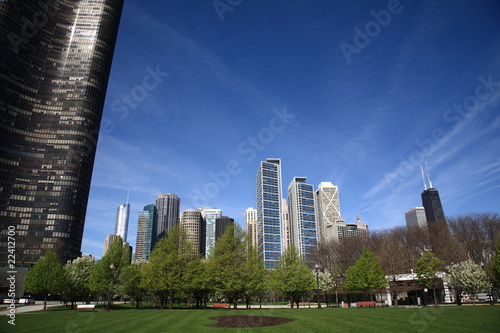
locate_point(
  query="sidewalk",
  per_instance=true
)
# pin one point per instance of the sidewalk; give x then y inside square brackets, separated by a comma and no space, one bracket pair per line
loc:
[38,306]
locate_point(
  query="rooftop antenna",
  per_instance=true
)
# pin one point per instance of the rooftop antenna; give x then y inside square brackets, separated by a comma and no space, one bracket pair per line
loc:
[128,194]
[423,178]
[428,175]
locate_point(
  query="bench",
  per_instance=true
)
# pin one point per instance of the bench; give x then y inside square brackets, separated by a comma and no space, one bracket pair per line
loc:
[366,304]
[85,306]
[222,305]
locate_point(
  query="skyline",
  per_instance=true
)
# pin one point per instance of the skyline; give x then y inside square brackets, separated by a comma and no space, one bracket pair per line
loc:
[193,97]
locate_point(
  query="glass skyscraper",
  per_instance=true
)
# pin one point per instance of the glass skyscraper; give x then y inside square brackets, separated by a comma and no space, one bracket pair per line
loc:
[210,215]
[302,216]
[55,60]
[269,211]
[168,213]
[121,225]
[146,233]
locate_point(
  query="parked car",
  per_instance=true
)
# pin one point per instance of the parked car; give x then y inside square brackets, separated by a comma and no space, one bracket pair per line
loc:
[27,300]
[9,300]
[485,297]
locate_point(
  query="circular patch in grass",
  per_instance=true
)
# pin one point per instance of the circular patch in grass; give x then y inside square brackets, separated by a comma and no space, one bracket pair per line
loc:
[248,321]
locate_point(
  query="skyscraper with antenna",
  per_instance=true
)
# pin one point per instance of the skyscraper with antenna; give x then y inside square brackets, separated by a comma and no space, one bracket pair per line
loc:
[432,203]
[122,215]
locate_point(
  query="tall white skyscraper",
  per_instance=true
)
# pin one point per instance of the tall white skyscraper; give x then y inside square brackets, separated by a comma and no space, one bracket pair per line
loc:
[168,214]
[210,215]
[251,225]
[415,217]
[121,225]
[330,223]
[269,211]
[302,216]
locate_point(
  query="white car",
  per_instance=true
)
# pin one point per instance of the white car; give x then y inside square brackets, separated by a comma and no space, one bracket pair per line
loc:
[27,300]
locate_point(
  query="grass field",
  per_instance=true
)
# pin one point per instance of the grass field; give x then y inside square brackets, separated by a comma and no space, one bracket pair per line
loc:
[429,319]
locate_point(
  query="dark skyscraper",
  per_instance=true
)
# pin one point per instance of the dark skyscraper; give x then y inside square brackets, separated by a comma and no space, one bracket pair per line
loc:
[221,224]
[55,60]
[432,205]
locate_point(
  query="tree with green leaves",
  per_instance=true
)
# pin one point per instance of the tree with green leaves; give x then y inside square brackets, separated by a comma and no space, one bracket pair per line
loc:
[230,265]
[77,274]
[255,274]
[292,277]
[104,278]
[46,277]
[427,269]
[169,270]
[468,277]
[495,260]
[366,274]
[130,280]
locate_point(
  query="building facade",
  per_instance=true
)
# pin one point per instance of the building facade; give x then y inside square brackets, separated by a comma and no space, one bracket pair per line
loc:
[269,211]
[108,241]
[415,217]
[194,224]
[121,224]
[359,229]
[167,213]
[55,60]
[251,225]
[221,224]
[432,205]
[328,218]
[287,240]
[302,216]
[210,215]
[146,233]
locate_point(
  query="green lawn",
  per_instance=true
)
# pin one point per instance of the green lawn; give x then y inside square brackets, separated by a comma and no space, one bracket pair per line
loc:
[430,319]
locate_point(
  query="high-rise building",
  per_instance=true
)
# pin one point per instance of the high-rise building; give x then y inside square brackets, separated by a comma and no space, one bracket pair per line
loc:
[330,223]
[251,225]
[146,233]
[415,217]
[210,215]
[167,210]
[302,216]
[359,229]
[269,211]
[55,60]
[194,224]
[121,225]
[108,242]
[287,240]
[432,205]
[221,224]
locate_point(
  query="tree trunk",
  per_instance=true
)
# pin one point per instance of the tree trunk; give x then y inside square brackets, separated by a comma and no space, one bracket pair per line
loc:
[435,298]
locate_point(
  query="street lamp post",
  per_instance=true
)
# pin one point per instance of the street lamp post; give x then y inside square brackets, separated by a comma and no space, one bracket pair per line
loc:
[316,269]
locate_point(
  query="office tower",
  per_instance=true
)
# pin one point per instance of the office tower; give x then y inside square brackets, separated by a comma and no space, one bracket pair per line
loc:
[221,224]
[415,217]
[55,60]
[302,216]
[287,240]
[269,211]
[433,209]
[121,225]
[251,225]
[193,223]
[210,214]
[146,233]
[330,224]
[356,230]
[167,210]
[108,242]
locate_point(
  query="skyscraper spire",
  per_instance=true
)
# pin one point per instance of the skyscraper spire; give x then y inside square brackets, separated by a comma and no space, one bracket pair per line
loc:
[423,178]
[428,175]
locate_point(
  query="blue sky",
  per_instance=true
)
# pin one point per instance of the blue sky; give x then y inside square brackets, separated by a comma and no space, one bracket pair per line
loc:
[355,93]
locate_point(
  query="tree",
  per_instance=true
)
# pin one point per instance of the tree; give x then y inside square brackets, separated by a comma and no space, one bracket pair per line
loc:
[130,280]
[46,277]
[292,277]
[467,276]
[366,274]
[78,273]
[427,268]
[255,274]
[169,269]
[104,277]
[232,266]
